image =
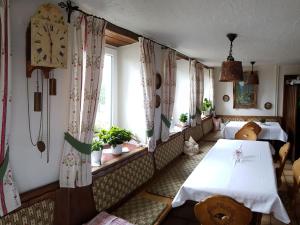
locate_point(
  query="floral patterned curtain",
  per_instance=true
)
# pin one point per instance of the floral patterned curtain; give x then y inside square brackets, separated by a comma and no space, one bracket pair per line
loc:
[86,75]
[147,58]
[200,90]
[168,91]
[9,196]
[193,92]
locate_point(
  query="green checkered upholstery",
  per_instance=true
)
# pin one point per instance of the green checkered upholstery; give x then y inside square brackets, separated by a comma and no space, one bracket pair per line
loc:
[118,183]
[166,152]
[169,182]
[207,126]
[196,133]
[41,213]
[140,211]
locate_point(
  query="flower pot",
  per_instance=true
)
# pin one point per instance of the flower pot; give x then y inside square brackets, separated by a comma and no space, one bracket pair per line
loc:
[96,157]
[117,150]
[183,124]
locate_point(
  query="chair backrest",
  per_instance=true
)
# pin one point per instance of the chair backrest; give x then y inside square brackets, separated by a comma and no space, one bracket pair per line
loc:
[246,134]
[221,210]
[253,126]
[283,152]
[296,171]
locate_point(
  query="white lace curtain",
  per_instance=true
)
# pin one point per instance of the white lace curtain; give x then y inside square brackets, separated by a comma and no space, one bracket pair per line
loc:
[196,92]
[211,88]
[9,196]
[88,41]
[148,71]
[168,91]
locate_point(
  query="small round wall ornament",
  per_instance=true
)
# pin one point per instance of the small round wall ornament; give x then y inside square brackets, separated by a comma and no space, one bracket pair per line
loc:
[226,98]
[158,81]
[268,105]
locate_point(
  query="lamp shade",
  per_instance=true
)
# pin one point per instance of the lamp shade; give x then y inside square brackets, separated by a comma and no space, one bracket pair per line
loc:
[231,71]
[252,78]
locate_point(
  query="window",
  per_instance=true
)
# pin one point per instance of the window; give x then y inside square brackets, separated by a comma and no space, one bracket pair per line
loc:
[105,112]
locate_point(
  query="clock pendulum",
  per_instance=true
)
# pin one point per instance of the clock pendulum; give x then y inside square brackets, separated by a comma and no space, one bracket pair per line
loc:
[38,107]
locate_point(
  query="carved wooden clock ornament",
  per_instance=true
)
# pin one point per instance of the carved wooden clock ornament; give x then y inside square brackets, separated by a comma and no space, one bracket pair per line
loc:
[46,50]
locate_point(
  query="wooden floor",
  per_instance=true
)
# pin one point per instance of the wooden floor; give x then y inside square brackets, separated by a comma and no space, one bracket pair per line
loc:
[184,215]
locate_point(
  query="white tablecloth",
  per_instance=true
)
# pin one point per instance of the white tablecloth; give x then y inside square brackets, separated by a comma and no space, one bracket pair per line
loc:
[251,181]
[269,130]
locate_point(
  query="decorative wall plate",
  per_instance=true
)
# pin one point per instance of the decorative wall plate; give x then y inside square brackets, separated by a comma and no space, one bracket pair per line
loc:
[158,81]
[226,98]
[157,101]
[268,105]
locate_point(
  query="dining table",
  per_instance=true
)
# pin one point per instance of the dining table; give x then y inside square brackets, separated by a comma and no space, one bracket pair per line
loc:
[269,130]
[240,169]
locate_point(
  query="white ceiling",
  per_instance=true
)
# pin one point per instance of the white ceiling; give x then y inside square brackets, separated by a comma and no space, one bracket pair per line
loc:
[269,30]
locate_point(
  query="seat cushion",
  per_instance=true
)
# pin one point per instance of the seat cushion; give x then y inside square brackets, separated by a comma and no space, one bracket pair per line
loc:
[140,211]
[213,136]
[170,180]
[104,218]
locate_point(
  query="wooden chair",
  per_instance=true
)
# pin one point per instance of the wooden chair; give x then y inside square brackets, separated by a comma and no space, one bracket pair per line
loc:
[222,210]
[296,175]
[253,126]
[283,152]
[246,134]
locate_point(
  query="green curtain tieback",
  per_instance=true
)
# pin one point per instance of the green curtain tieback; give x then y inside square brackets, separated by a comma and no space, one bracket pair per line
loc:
[79,146]
[150,132]
[4,164]
[165,120]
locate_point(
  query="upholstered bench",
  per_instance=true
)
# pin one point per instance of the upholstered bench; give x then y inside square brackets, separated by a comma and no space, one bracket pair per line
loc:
[174,175]
[38,213]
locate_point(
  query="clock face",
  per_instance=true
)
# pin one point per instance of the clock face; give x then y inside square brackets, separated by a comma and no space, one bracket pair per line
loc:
[48,44]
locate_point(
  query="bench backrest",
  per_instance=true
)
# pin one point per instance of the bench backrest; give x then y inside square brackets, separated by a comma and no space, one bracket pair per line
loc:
[167,151]
[112,185]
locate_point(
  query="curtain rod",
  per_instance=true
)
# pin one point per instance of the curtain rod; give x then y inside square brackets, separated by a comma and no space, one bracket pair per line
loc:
[70,8]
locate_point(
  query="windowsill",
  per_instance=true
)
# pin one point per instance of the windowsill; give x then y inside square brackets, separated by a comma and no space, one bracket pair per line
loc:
[109,159]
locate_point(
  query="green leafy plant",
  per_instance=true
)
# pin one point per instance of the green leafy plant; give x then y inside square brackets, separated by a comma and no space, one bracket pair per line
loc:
[97,145]
[114,136]
[206,105]
[183,117]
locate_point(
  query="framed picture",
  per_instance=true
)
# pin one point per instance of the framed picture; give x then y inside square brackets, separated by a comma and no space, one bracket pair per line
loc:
[244,95]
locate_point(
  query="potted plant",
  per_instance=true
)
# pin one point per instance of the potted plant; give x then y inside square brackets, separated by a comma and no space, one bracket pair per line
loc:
[115,137]
[183,119]
[206,107]
[97,146]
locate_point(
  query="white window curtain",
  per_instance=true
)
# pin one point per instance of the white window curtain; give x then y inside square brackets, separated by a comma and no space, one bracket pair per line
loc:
[211,86]
[87,34]
[9,196]
[193,92]
[200,90]
[148,71]
[168,91]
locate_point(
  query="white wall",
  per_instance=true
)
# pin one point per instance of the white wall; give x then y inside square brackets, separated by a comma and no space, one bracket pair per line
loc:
[266,93]
[30,169]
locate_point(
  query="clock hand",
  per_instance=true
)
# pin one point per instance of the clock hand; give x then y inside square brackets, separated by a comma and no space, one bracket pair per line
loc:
[51,43]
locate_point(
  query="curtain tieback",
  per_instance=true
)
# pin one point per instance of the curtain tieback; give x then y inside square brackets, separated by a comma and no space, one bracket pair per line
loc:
[4,164]
[79,146]
[193,116]
[150,132]
[198,111]
[165,120]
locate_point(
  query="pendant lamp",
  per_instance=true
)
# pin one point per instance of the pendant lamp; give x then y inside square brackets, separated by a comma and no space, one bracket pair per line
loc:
[231,70]
[253,77]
